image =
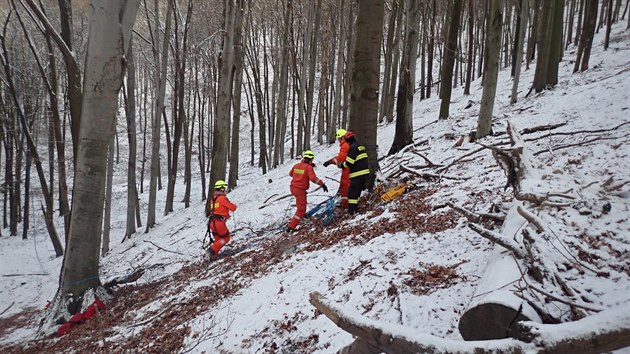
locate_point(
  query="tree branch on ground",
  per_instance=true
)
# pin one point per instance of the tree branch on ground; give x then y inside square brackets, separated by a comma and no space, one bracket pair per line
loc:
[497,238]
[429,175]
[164,249]
[542,128]
[442,169]
[585,142]
[594,131]
[476,217]
[429,162]
[611,186]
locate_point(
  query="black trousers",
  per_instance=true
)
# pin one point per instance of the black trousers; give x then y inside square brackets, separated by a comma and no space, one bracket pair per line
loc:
[357,184]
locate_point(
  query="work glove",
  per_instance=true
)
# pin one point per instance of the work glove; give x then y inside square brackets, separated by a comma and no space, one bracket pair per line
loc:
[325,188]
[326,163]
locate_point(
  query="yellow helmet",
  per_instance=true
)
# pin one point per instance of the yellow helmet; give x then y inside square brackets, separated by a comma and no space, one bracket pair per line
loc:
[308,154]
[220,184]
[340,133]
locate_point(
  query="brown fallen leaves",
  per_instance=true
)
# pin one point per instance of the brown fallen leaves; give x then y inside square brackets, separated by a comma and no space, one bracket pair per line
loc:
[133,323]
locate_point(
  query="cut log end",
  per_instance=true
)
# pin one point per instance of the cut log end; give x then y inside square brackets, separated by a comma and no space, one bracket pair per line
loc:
[490,321]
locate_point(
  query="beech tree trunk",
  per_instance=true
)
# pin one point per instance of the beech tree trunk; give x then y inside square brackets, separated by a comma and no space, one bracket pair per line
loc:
[236,92]
[104,70]
[366,78]
[493,45]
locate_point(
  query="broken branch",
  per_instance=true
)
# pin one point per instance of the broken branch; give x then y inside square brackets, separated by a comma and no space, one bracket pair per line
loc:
[494,237]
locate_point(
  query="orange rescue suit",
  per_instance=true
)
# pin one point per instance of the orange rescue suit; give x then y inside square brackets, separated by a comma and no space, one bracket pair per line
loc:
[344,184]
[302,173]
[220,207]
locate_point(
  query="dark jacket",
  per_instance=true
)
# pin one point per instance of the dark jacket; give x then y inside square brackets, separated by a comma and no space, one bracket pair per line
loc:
[357,159]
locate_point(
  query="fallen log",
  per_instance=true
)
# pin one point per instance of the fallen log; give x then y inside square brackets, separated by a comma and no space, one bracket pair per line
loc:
[602,332]
[495,311]
[375,337]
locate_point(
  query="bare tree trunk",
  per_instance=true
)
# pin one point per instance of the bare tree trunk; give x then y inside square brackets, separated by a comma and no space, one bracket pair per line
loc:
[550,45]
[389,107]
[347,84]
[179,110]
[578,29]
[387,59]
[3,190]
[556,49]
[254,82]
[159,80]
[281,101]
[431,47]
[450,51]
[27,192]
[310,89]
[236,92]
[586,36]
[338,86]
[221,133]
[404,106]
[107,208]
[365,78]
[533,38]
[493,44]
[130,113]
[200,112]
[609,20]
[302,124]
[103,78]
[524,13]
[470,54]
[570,21]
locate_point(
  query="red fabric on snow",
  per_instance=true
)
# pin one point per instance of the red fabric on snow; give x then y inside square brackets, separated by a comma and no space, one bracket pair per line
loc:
[91,311]
[79,317]
[64,329]
[76,318]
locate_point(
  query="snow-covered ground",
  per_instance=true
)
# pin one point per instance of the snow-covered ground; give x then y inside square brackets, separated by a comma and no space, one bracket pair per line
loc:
[412,262]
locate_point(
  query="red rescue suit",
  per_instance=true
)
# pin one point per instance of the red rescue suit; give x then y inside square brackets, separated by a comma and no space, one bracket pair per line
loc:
[302,173]
[220,207]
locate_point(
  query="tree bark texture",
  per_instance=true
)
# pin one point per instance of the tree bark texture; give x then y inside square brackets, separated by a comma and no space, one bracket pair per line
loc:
[159,81]
[407,84]
[103,79]
[495,24]
[366,78]
[450,52]
[524,14]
